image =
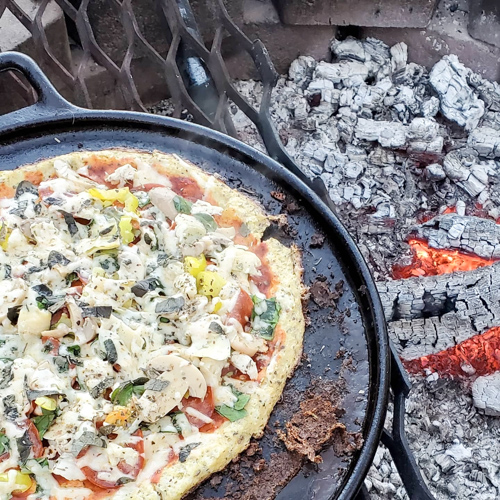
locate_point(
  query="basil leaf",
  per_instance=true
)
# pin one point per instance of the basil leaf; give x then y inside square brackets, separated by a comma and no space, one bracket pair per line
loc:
[4,443]
[172,304]
[156,385]
[97,312]
[111,354]
[86,439]
[42,302]
[230,413]
[216,328]
[57,258]
[42,423]
[242,401]
[26,187]
[24,447]
[186,450]
[182,205]
[208,221]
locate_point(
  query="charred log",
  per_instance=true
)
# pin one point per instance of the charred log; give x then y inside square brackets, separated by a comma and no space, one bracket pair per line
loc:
[460,232]
[429,314]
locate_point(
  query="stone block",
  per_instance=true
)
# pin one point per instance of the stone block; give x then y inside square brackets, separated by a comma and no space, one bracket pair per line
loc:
[484,21]
[446,34]
[380,13]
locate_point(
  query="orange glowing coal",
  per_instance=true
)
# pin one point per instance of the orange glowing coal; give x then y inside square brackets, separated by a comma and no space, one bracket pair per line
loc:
[429,261]
[479,355]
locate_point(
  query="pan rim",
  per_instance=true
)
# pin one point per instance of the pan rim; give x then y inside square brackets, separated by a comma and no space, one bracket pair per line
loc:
[75,116]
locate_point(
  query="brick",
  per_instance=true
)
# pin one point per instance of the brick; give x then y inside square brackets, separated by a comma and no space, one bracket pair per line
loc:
[379,13]
[484,21]
[446,34]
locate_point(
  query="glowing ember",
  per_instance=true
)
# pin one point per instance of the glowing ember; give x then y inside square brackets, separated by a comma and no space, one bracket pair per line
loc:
[479,355]
[429,261]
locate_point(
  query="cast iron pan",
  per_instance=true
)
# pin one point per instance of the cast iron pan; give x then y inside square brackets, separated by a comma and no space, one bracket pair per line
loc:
[53,127]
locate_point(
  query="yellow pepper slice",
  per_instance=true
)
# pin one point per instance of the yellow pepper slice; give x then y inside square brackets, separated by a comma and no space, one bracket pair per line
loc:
[46,403]
[123,195]
[23,481]
[118,417]
[5,241]
[195,265]
[217,306]
[209,283]
[126,231]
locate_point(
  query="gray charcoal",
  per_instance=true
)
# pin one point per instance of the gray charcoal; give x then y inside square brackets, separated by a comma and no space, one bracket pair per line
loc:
[349,73]
[435,172]
[486,141]
[486,394]
[301,70]
[458,102]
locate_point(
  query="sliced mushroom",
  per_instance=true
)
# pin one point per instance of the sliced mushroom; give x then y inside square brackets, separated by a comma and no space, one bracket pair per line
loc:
[163,199]
[244,343]
[183,369]
[245,364]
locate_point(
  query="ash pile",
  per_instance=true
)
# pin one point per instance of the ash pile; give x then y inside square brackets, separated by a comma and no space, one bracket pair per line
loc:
[390,139]
[396,144]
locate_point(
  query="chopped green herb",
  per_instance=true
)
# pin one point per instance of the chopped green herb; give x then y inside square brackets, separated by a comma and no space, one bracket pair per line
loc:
[43,462]
[42,302]
[74,349]
[208,221]
[71,277]
[164,320]
[182,205]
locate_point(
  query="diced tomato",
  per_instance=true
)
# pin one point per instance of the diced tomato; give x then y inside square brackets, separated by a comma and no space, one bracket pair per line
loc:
[53,342]
[45,192]
[205,406]
[149,186]
[57,315]
[92,476]
[34,437]
[218,420]
[155,478]
[187,188]
[242,309]
[4,456]
[137,445]
[98,493]
[99,168]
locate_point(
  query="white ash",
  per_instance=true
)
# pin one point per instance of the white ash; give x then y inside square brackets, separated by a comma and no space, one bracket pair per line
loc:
[455,446]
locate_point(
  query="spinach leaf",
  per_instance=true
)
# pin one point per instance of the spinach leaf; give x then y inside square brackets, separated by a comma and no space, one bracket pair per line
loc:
[43,462]
[4,442]
[57,258]
[156,385]
[268,313]
[26,187]
[208,221]
[182,205]
[122,394]
[9,407]
[230,413]
[42,423]
[71,277]
[238,411]
[70,222]
[99,388]
[24,447]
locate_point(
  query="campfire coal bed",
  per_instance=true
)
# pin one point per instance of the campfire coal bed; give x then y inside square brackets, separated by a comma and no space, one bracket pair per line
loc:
[411,159]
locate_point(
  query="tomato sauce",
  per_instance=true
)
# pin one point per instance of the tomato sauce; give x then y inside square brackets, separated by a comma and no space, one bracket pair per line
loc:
[34,177]
[6,191]
[99,167]
[186,187]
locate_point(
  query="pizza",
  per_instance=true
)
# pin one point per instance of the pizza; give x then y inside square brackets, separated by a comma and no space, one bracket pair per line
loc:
[146,329]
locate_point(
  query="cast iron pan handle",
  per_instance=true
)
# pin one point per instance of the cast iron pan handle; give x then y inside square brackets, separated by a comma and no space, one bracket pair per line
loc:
[49,102]
[396,441]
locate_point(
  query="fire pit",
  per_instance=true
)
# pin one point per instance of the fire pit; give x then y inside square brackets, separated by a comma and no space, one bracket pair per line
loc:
[409,156]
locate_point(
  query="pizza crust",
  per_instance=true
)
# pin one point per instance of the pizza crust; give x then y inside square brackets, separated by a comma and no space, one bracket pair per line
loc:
[231,438]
